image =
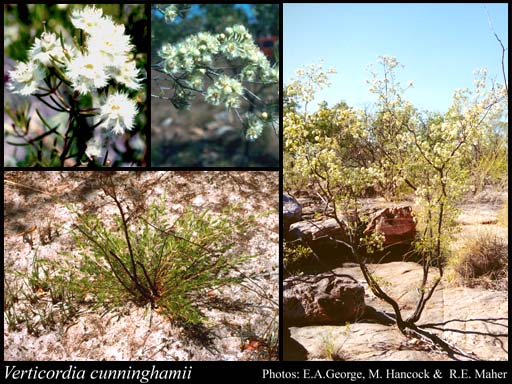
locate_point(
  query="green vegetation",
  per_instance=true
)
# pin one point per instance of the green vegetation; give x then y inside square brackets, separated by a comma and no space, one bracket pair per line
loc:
[294,258]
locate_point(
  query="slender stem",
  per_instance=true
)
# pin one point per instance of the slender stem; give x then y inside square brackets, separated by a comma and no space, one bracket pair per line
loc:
[67,142]
[58,109]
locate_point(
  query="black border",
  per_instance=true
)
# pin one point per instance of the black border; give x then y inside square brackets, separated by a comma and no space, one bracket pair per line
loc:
[252,372]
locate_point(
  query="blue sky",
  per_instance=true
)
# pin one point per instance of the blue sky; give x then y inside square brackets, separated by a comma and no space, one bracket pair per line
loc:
[440,46]
[194,9]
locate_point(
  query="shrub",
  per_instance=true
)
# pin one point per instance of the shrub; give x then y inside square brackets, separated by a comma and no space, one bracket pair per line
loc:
[295,258]
[483,261]
[150,261]
[135,254]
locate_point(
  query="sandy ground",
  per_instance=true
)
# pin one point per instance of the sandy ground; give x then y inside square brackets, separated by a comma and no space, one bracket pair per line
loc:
[242,320]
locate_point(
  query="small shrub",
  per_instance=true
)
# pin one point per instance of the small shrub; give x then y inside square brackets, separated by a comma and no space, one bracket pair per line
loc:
[295,258]
[484,261]
[332,352]
[150,261]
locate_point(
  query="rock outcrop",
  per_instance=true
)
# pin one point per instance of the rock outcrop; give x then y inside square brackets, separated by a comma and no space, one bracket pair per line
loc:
[325,298]
[326,237]
[313,230]
[292,211]
[473,319]
[395,223]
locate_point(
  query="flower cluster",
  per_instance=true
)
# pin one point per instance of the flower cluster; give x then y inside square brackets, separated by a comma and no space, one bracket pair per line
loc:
[118,113]
[193,58]
[195,55]
[219,67]
[225,91]
[26,78]
[104,58]
[254,128]
[172,11]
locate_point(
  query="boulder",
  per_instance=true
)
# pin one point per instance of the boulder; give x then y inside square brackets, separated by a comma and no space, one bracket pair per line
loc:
[323,238]
[292,211]
[395,223]
[313,230]
[326,298]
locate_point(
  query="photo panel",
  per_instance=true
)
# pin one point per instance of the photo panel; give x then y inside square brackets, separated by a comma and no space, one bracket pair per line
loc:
[215,85]
[75,85]
[395,179]
[141,266]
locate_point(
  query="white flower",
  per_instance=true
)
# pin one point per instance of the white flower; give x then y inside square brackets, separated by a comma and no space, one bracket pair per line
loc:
[226,91]
[93,148]
[111,44]
[127,74]
[89,19]
[118,113]
[87,72]
[26,78]
[46,47]
[254,128]
[170,13]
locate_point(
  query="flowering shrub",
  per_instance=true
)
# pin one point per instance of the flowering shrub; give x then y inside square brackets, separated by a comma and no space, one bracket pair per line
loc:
[223,68]
[92,78]
[343,151]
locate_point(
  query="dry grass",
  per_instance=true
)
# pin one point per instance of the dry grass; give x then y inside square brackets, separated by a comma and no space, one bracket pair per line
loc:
[503,215]
[482,260]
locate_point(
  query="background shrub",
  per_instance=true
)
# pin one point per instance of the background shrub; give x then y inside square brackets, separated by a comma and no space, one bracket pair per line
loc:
[483,260]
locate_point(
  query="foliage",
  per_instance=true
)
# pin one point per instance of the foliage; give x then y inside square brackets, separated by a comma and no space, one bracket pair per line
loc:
[330,351]
[225,66]
[213,18]
[294,258]
[41,299]
[136,255]
[85,68]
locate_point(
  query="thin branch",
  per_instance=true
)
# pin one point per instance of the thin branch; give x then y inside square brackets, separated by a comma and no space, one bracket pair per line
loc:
[503,49]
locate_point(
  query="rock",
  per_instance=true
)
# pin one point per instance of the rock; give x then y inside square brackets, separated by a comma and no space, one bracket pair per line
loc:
[313,230]
[325,298]
[473,319]
[293,351]
[395,223]
[167,122]
[292,211]
[223,131]
[312,205]
[361,342]
[323,238]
